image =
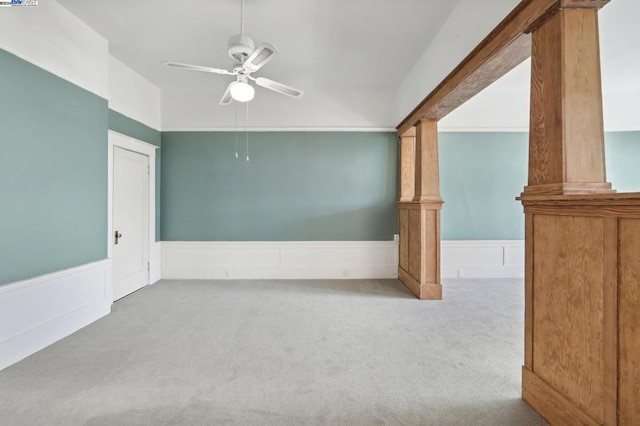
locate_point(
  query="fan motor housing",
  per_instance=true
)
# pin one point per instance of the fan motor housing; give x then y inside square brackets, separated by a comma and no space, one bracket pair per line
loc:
[240,47]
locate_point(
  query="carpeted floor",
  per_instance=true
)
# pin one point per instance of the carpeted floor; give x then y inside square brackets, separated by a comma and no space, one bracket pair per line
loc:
[284,353]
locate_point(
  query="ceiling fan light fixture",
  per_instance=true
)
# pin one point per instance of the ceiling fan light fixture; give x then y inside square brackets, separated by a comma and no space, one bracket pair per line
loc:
[242,91]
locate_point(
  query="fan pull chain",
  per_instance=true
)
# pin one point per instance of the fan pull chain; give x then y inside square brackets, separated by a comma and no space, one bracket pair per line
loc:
[247,103]
[236,131]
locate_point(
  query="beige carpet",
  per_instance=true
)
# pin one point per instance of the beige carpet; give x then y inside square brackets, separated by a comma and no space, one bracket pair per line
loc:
[359,352]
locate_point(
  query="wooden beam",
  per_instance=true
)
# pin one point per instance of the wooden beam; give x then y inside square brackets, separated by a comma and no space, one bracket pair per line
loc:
[508,45]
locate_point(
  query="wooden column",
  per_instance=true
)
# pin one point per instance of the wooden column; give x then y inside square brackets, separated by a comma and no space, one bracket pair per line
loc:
[582,294]
[407,166]
[566,148]
[419,218]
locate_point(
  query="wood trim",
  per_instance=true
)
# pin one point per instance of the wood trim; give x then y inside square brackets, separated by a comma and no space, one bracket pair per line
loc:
[600,205]
[610,321]
[501,51]
[528,292]
[411,283]
[583,4]
[628,212]
[568,189]
[421,291]
[551,404]
[431,292]
[411,131]
[620,206]
[435,203]
[630,198]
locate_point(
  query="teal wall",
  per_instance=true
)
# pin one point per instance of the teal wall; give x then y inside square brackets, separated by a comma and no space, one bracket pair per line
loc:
[298,186]
[623,160]
[53,172]
[482,173]
[132,128]
[480,176]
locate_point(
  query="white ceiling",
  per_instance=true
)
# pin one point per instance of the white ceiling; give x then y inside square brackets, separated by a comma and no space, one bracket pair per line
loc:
[325,45]
[350,56]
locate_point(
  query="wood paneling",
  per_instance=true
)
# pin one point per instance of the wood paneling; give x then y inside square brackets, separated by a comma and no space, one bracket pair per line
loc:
[582,307]
[528,292]
[629,322]
[403,217]
[568,306]
[432,246]
[420,272]
[551,404]
[610,320]
[415,237]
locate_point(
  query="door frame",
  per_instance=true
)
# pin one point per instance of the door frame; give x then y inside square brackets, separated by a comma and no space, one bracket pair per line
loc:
[131,144]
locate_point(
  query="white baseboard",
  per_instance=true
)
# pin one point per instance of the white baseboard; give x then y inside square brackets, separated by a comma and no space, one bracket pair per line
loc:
[482,259]
[279,260]
[40,311]
[155,258]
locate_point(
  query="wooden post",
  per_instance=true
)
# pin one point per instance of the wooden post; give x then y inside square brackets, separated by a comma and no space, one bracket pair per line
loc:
[419,267]
[580,329]
[566,147]
[427,186]
[407,167]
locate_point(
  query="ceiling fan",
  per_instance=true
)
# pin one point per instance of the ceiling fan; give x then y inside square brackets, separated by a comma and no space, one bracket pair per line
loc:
[248,59]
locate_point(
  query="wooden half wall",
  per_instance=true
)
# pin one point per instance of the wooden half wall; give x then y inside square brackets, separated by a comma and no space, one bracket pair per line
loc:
[582,319]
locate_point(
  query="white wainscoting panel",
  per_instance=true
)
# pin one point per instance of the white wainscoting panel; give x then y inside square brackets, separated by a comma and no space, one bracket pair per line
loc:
[155,256]
[279,260]
[40,311]
[482,259]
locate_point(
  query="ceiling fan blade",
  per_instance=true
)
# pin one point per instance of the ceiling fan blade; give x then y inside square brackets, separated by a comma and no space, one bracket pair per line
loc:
[260,57]
[226,98]
[278,87]
[197,68]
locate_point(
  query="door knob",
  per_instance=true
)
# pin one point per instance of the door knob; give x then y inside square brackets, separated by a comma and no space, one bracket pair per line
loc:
[117,236]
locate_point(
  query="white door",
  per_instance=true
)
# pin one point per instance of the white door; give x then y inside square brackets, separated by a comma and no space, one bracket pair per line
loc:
[130,222]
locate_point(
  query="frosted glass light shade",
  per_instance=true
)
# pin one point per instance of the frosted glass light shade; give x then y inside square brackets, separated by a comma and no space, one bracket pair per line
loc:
[241,91]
